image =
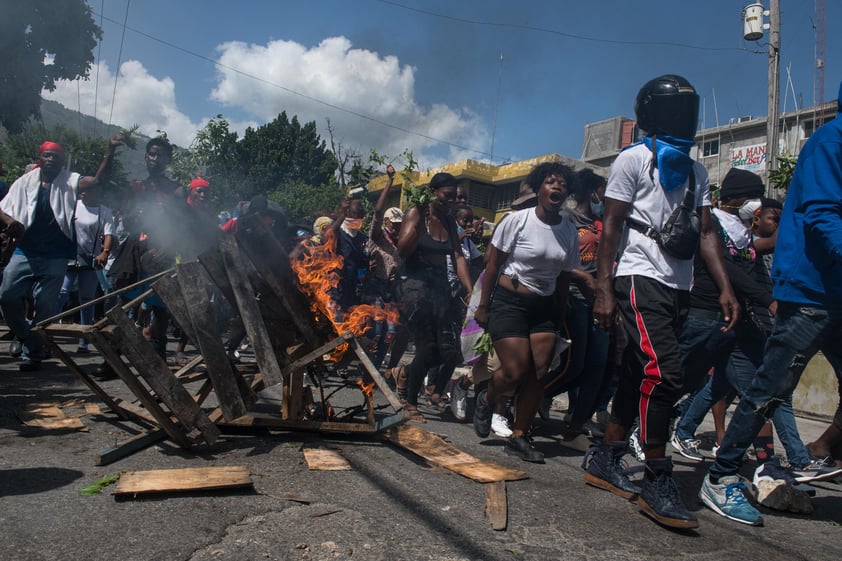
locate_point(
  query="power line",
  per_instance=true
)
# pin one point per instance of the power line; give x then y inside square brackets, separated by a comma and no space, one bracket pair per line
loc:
[288,90]
[526,27]
[119,60]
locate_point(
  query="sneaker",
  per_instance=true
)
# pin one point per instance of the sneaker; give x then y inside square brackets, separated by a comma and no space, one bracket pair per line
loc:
[482,416]
[635,445]
[15,348]
[500,426]
[727,498]
[604,467]
[459,401]
[522,447]
[715,449]
[817,470]
[660,499]
[688,447]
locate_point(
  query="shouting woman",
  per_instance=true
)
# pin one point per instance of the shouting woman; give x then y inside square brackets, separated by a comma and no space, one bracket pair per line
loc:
[528,269]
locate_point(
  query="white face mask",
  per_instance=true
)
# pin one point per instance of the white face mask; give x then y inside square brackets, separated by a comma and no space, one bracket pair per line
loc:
[353,224]
[747,210]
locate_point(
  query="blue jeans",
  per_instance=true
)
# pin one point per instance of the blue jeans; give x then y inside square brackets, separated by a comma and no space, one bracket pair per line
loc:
[800,332]
[88,282]
[703,346]
[740,370]
[588,357]
[40,278]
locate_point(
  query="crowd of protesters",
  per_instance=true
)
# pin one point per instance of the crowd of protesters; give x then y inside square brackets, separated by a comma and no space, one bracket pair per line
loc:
[637,290]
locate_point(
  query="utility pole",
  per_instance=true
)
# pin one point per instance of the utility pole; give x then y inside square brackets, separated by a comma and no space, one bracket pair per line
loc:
[773,111]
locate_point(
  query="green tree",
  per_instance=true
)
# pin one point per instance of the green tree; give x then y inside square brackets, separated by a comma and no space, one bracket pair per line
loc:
[303,202]
[41,41]
[283,153]
[781,177]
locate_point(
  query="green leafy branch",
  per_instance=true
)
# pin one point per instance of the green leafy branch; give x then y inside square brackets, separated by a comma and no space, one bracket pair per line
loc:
[128,136]
[96,487]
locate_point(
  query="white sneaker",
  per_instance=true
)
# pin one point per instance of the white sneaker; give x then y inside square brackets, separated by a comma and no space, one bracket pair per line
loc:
[500,426]
[459,401]
[636,446]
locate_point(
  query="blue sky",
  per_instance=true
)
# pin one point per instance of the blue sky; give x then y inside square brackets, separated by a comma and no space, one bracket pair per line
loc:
[424,75]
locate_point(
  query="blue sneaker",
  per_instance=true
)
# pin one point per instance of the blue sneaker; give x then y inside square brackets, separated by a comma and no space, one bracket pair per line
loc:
[727,498]
[603,465]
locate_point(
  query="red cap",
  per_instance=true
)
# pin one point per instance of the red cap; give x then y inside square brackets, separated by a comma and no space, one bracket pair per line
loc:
[198,183]
[50,147]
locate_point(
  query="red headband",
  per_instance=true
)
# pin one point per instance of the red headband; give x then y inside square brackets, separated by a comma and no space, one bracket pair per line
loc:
[199,183]
[50,147]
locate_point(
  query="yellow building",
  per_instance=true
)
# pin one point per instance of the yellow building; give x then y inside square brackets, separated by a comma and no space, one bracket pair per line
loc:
[491,189]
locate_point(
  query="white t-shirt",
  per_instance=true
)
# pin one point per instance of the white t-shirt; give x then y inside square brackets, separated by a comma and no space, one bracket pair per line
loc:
[651,204]
[538,252]
[92,223]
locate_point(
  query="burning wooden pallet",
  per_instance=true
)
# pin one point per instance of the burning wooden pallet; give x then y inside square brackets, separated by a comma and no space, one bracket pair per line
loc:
[289,338]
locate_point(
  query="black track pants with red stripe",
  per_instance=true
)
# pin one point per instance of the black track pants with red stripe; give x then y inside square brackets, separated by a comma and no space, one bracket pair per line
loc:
[651,379]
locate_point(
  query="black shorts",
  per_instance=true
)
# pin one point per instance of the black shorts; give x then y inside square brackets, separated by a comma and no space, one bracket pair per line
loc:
[515,315]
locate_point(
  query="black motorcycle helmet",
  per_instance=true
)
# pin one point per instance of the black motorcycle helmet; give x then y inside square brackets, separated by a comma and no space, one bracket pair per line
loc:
[668,105]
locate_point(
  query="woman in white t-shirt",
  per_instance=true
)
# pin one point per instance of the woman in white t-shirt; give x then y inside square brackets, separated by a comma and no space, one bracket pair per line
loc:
[94,236]
[528,269]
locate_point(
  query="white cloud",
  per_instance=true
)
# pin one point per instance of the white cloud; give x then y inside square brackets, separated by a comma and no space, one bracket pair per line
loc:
[335,79]
[140,98]
[332,75]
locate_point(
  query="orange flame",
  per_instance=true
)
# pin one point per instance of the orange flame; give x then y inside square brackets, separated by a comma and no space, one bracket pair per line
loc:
[367,389]
[318,271]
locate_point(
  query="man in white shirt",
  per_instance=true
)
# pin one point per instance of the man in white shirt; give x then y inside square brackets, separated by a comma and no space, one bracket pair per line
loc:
[649,292]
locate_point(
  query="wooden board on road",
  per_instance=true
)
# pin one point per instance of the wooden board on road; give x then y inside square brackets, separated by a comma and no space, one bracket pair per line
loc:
[325,460]
[182,480]
[496,505]
[436,451]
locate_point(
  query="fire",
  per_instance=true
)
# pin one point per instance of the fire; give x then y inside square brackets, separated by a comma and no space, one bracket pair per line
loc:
[367,389]
[317,270]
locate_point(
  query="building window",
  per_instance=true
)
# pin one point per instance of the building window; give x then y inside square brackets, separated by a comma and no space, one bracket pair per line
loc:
[710,148]
[479,196]
[505,195]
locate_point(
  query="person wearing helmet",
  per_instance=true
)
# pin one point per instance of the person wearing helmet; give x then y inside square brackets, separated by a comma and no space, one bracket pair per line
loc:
[649,291]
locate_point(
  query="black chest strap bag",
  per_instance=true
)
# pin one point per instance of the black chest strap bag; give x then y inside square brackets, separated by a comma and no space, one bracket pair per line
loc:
[679,236]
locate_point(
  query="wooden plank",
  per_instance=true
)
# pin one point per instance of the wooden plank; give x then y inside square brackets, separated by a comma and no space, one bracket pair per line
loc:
[211,260]
[272,421]
[160,417]
[48,417]
[375,374]
[81,374]
[136,411]
[249,312]
[271,262]
[313,355]
[222,376]
[168,290]
[154,370]
[185,479]
[129,446]
[496,505]
[436,451]
[322,459]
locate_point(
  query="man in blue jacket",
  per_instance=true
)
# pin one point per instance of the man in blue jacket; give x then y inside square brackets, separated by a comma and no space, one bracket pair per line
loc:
[805,274]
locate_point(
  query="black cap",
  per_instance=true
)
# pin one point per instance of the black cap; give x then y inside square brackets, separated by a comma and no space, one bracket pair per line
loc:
[741,183]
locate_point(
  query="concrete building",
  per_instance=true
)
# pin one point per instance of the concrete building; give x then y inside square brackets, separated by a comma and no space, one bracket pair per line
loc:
[741,143]
[490,188]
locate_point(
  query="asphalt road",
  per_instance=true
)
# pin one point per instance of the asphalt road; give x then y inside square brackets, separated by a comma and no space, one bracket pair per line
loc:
[390,506]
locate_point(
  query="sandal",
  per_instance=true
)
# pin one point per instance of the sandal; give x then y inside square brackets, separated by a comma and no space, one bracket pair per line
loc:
[412,414]
[434,401]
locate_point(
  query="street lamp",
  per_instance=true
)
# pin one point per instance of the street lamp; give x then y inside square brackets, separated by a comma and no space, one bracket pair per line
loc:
[753,27]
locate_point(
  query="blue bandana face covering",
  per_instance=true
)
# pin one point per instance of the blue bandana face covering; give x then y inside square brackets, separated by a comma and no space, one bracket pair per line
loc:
[673,157]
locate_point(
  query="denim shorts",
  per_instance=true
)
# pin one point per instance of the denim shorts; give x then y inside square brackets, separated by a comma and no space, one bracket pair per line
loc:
[516,315]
